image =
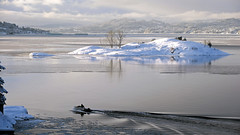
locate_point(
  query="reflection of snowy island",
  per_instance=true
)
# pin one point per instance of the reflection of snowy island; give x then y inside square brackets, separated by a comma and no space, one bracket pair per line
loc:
[158,47]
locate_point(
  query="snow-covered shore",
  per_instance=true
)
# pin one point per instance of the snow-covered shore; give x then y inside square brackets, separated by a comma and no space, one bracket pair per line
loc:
[11,115]
[160,47]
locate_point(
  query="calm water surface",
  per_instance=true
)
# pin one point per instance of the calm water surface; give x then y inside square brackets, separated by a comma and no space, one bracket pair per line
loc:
[178,85]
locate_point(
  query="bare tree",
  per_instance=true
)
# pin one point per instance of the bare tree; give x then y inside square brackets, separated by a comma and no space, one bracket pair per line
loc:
[120,37]
[115,38]
[205,42]
[111,38]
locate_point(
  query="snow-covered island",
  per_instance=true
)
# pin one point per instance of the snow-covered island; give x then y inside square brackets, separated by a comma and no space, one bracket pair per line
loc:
[160,47]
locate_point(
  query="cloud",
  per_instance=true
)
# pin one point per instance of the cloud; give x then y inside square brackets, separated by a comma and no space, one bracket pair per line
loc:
[52,2]
[41,12]
[163,7]
[26,5]
[4,2]
[32,5]
[45,18]
[133,15]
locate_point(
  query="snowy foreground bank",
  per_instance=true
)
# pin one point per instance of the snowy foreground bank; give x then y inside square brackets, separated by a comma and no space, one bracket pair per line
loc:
[158,47]
[11,115]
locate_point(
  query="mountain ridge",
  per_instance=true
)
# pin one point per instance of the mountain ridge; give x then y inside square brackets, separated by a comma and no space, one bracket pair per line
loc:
[226,26]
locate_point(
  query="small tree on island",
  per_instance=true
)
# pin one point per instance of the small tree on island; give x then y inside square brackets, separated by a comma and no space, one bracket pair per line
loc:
[111,38]
[2,91]
[208,43]
[115,38]
[120,35]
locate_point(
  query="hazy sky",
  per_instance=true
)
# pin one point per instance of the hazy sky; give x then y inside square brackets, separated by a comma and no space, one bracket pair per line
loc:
[42,12]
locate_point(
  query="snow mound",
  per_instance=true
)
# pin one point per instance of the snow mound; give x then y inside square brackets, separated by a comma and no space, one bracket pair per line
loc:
[164,46]
[6,123]
[17,112]
[11,114]
[39,55]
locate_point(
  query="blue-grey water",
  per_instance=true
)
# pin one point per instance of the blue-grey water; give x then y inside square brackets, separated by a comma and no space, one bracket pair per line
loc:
[199,86]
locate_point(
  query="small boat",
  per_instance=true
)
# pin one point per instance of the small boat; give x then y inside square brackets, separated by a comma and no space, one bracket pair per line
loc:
[82,109]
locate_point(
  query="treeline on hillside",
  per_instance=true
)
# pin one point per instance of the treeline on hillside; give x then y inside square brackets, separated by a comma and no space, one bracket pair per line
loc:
[10,29]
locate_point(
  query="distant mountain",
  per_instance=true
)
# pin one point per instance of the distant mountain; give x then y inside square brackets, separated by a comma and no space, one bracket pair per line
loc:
[226,26]
[231,26]
[127,25]
[10,29]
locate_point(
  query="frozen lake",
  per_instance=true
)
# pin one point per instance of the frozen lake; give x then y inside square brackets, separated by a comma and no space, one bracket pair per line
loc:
[200,86]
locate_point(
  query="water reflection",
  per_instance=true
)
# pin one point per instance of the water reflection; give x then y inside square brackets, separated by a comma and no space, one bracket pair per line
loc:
[164,60]
[165,64]
[173,60]
[111,64]
[115,66]
[81,113]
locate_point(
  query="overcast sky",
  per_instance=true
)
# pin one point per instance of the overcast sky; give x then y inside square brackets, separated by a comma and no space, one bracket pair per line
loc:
[42,12]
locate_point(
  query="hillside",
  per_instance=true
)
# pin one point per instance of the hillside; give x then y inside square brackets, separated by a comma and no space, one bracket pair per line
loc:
[11,29]
[227,26]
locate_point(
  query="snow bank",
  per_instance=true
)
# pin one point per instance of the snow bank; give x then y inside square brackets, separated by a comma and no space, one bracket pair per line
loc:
[6,123]
[11,114]
[39,55]
[163,46]
[17,112]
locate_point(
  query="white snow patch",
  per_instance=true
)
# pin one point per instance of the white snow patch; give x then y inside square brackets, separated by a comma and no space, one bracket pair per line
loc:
[17,112]
[6,123]
[11,114]
[164,46]
[39,55]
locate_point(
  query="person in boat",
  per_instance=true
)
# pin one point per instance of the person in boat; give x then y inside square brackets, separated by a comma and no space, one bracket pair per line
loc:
[209,44]
[82,108]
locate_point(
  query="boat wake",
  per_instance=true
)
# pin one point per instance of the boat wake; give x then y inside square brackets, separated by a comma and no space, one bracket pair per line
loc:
[167,123]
